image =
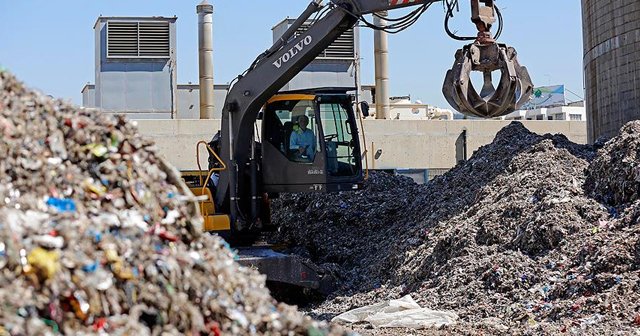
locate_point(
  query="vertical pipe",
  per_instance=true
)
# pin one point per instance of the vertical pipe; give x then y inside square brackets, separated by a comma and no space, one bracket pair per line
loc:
[205,55]
[464,144]
[381,45]
[254,184]
[373,159]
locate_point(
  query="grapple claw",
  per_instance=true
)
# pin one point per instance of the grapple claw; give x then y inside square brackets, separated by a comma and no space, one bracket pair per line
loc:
[513,90]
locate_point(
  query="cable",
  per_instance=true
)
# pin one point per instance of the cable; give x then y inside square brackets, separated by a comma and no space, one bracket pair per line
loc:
[402,23]
[452,5]
[399,24]
[500,23]
[393,19]
[575,94]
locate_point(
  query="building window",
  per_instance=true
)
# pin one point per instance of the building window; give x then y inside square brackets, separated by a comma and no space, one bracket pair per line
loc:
[575,117]
[559,117]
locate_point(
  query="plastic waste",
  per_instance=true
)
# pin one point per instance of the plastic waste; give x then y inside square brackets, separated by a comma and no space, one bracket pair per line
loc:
[62,204]
[401,313]
[44,262]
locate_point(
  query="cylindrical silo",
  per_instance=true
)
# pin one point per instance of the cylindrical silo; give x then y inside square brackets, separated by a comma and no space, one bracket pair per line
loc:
[611,31]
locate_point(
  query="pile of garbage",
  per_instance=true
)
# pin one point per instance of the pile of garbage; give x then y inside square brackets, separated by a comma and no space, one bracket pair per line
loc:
[99,236]
[614,176]
[514,240]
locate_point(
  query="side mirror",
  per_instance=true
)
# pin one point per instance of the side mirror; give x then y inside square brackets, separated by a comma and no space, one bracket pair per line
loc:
[364,107]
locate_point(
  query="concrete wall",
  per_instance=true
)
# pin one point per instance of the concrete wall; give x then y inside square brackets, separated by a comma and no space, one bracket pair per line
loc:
[405,144]
[438,144]
[188,102]
[612,64]
[177,139]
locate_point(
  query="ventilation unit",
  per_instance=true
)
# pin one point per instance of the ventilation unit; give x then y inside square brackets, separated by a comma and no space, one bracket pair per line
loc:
[146,39]
[342,48]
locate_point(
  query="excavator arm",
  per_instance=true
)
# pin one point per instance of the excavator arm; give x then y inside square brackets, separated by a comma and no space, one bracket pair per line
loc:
[269,73]
[277,66]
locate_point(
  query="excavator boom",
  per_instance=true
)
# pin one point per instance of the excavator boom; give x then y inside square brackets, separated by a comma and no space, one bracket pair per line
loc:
[239,192]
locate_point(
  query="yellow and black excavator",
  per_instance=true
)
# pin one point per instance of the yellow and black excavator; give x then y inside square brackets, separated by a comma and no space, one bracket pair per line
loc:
[248,166]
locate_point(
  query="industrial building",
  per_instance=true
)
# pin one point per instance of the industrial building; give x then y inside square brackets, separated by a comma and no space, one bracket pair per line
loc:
[135,71]
[575,112]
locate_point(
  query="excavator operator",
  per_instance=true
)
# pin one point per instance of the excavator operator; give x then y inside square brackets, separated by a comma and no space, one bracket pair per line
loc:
[303,142]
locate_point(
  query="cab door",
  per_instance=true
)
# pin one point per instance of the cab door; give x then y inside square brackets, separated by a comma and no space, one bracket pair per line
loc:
[335,161]
[341,142]
[284,167]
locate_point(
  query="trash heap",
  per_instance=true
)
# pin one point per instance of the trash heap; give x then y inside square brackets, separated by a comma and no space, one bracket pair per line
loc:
[99,236]
[514,240]
[614,176]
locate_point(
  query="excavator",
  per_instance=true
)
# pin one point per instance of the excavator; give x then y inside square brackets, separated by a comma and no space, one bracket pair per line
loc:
[250,163]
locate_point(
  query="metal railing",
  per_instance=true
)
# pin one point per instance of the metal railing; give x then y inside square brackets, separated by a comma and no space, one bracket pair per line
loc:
[210,173]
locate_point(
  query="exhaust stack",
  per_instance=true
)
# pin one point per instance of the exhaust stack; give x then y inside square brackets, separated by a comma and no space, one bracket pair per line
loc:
[205,55]
[381,46]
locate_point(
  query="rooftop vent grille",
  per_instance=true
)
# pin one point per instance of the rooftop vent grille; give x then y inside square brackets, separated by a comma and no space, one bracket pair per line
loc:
[342,48]
[138,39]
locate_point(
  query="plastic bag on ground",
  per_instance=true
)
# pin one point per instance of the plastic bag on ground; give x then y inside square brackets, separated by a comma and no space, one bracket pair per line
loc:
[401,313]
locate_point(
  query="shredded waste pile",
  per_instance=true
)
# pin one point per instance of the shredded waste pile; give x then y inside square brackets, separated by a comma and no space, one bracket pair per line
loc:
[532,235]
[97,236]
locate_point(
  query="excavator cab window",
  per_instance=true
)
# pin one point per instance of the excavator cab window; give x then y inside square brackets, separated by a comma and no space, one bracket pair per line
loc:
[323,156]
[338,138]
[288,135]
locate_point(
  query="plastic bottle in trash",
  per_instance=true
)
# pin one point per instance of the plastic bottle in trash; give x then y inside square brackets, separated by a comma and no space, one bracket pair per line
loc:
[62,204]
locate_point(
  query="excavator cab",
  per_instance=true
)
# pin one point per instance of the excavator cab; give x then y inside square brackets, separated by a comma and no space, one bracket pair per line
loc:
[310,143]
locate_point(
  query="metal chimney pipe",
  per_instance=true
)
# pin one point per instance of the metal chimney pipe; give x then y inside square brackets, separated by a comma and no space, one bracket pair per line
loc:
[381,46]
[205,56]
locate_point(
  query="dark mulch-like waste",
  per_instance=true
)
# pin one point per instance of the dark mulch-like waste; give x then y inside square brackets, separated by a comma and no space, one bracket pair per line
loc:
[514,240]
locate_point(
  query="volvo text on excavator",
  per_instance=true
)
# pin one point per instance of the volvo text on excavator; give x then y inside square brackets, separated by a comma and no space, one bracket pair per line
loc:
[252,165]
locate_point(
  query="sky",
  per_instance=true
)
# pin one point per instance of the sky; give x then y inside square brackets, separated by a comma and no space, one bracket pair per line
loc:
[50,44]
